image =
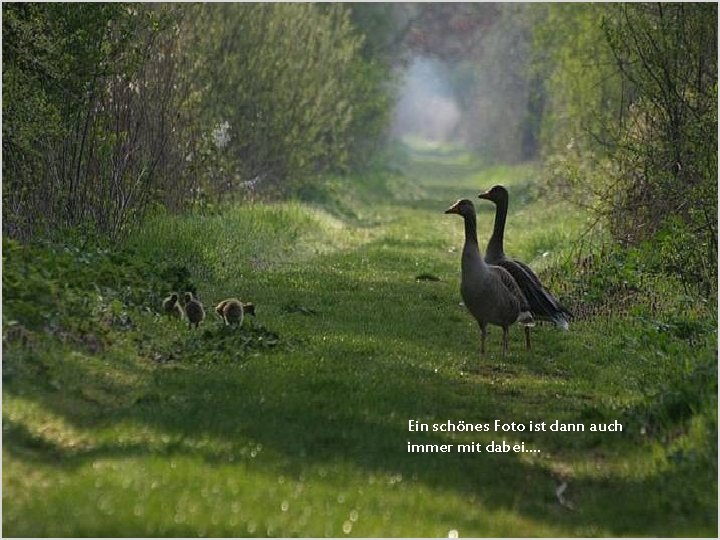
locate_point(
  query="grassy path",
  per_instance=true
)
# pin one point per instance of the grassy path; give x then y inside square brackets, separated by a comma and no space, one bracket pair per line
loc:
[309,437]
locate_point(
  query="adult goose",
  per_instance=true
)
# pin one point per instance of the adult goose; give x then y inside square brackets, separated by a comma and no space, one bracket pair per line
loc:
[543,305]
[489,292]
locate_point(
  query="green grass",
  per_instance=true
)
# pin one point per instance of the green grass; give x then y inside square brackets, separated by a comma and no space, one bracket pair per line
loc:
[117,422]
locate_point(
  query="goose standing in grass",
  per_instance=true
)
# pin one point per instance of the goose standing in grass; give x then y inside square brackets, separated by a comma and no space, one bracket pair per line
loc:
[233,311]
[543,305]
[489,292]
[193,310]
[171,306]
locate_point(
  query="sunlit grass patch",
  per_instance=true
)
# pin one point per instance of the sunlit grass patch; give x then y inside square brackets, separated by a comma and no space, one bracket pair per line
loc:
[220,244]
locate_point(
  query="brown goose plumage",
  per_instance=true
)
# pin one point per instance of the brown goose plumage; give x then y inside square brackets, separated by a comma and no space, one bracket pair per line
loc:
[172,307]
[193,310]
[232,311]
[543,305]
[489,292]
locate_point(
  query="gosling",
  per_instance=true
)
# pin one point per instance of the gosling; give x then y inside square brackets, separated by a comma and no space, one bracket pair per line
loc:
[193,310]
[171,307]
[232,311]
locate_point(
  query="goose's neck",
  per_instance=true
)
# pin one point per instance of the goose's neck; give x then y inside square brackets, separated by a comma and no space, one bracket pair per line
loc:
[495,248]
[471,249]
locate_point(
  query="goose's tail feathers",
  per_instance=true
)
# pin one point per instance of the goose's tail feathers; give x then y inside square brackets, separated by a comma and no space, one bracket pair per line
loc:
[561,322]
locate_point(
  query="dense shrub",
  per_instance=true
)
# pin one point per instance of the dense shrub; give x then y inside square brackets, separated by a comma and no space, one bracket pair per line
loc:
[288,88]
[111,108]
[631,123]
[86,115]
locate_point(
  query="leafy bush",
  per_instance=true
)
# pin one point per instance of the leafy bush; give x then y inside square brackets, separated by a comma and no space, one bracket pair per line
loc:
[631,125]
[291,86]
[111,109]
[87,115]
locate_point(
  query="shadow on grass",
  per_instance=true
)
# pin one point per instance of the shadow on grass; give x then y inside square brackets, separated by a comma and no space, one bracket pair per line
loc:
[354,408]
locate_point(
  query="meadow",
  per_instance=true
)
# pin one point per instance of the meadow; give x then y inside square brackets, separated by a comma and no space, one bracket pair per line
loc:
[120,422]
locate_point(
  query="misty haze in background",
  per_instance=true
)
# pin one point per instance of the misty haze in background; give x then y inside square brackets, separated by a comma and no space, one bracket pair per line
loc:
[426,105]
[466,77]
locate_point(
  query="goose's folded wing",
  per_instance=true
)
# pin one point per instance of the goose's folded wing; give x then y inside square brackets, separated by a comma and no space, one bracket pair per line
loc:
[542,303]
[511,286]
[529,272]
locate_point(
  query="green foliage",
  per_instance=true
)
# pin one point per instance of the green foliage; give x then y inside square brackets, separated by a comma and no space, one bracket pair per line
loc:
[379,23]
[216,345]
[689,393]
[111,109]
[631,124]
[581,85]
[373,94]
[64,288]
[289,81]
[683,252]
[82,92]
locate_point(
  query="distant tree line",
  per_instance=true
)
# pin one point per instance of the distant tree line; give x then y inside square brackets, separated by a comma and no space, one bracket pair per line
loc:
[109,109]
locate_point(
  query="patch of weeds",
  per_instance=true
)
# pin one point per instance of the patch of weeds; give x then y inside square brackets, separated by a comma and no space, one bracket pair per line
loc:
[614,281]
[682,328]
[692,392]
[178,278]
[45,285]
[216,344]
[74,293]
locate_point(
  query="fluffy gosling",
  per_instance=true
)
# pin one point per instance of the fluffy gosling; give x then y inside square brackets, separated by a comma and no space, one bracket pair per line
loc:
[193,310]
[232,311]
[171,306]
